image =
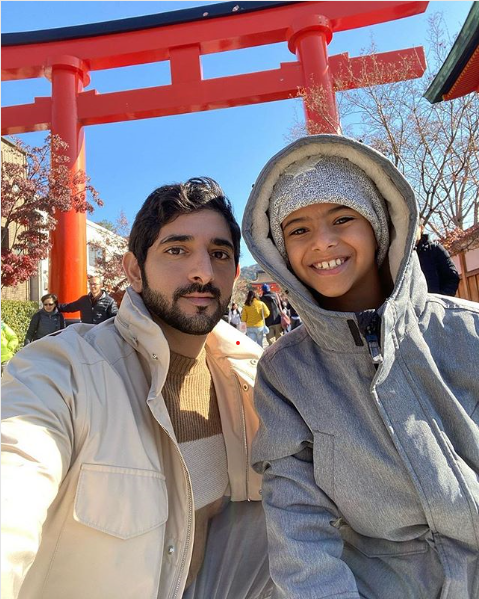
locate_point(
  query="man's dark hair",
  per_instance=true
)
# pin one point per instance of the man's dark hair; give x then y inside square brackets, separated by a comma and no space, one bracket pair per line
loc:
[170,201]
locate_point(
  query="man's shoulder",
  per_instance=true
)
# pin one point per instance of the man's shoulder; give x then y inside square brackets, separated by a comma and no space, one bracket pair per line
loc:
[84,343]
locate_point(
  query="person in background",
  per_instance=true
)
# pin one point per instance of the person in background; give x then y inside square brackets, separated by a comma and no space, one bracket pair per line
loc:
[95,307]
[9,343]
[369,420]
[436,264]
[125,446]
[234,315]
[273,321]
[254,315]
[287,312]
[47,320]
[295,317]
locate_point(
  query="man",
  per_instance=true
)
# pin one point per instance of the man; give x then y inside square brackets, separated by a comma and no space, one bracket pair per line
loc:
[95,307]
[126,468]
[273,321]
[436,265]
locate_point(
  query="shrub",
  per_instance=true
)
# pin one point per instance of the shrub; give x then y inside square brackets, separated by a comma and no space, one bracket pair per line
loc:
[17,315]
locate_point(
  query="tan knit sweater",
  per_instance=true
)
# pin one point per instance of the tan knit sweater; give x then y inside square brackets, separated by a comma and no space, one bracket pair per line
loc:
[193,408]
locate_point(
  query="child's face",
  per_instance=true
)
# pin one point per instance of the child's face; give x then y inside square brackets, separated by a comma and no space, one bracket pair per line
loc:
[332,249]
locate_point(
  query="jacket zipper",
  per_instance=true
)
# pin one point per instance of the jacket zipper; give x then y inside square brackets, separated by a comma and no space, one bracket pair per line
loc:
[245,442]
[190,517]
[372,339]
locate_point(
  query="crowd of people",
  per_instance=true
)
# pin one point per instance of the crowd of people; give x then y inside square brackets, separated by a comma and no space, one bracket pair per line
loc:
[165,454]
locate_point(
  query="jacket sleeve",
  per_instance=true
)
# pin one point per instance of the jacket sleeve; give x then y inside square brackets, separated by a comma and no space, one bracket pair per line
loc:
[304,545]
[448,275]
[32,329]
[12,338]
[37,441]
[71,307]
[244,314]
[112,308]
[266,310]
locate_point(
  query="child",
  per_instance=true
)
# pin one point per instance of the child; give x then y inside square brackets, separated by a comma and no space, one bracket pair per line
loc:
[369,413]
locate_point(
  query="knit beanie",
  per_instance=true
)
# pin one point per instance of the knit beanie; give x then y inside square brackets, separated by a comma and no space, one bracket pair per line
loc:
[328,180]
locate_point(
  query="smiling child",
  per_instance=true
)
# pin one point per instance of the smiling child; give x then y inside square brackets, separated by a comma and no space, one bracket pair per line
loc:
[368,439]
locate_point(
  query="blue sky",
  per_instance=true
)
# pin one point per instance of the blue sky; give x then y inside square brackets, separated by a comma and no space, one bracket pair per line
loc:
[126,161]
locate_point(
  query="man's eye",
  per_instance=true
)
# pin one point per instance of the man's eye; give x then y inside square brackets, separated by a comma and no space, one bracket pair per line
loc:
[221,255]
[175,251]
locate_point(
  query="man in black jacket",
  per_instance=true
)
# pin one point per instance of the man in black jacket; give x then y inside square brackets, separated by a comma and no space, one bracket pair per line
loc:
[95,307]
[273,321]
[436,264]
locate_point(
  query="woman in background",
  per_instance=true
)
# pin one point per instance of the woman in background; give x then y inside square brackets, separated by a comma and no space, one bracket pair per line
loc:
[47,320]
[254,314]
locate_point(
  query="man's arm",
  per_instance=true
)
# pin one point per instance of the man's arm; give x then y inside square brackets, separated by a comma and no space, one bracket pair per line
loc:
[37,441]
[112,308]
[304,547]
[448,275]
[72,306]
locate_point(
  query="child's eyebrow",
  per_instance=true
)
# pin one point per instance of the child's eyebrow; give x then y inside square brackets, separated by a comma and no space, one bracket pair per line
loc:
[336,208]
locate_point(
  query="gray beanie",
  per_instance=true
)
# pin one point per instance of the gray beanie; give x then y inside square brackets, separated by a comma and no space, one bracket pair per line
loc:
[328,179]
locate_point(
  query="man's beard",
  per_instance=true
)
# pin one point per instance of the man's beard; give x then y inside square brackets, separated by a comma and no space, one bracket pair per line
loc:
[200,323]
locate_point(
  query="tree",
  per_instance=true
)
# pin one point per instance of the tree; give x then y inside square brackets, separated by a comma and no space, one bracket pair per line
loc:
[32,193]
[113,246]
[435,146]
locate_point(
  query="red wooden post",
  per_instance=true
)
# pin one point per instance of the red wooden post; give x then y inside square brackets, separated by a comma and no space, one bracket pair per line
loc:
[308,38]
[68,259]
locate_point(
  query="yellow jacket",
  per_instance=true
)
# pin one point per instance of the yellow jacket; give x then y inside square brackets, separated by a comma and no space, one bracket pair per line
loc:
[253,315]
[96,498]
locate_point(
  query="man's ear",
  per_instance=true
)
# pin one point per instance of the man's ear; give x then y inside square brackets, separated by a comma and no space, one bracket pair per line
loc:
[238,272]
[132,271]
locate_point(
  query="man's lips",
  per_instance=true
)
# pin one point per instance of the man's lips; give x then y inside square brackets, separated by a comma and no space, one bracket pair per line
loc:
[200,300]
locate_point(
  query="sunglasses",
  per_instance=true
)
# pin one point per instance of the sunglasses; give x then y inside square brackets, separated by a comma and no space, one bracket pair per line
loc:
[48,304]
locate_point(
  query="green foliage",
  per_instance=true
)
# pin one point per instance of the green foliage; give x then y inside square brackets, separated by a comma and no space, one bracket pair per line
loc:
[17,315]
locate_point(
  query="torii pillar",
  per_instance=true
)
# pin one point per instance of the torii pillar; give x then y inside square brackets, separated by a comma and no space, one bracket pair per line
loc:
[308,38]
[68,254]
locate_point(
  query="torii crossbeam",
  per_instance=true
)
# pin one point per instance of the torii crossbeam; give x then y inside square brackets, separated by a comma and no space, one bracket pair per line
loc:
[67,55]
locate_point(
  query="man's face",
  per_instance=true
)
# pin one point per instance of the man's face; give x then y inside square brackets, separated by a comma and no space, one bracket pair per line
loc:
[95,286]
[188,276]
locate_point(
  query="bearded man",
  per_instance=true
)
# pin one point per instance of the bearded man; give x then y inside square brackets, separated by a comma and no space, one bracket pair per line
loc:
[126,469]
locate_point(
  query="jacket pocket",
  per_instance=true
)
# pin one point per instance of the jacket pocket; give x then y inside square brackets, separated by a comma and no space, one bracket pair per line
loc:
[323,457]
[371,547]
[123,502]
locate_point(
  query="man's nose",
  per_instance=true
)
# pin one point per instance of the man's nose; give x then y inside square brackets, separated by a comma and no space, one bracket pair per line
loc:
[202,269]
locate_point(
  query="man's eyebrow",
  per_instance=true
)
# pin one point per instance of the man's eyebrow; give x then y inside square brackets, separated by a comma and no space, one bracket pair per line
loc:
[222,242]
[186,238]
[175,238]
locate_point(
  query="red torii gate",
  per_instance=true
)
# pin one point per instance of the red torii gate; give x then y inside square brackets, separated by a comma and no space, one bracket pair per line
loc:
[66,56]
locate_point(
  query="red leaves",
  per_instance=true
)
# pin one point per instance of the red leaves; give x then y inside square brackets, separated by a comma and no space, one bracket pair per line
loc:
[33,190]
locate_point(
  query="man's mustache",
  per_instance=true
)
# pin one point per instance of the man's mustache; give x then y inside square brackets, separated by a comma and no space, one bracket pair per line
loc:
[196,288]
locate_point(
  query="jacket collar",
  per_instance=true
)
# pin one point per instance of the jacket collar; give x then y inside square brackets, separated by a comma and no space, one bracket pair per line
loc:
[134,323]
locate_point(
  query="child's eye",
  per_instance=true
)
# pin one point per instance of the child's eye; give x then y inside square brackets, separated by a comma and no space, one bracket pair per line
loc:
[175,251]
[298,231]
[343,219]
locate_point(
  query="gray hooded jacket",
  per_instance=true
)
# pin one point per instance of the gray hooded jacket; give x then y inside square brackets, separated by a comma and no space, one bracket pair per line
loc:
[371,484]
